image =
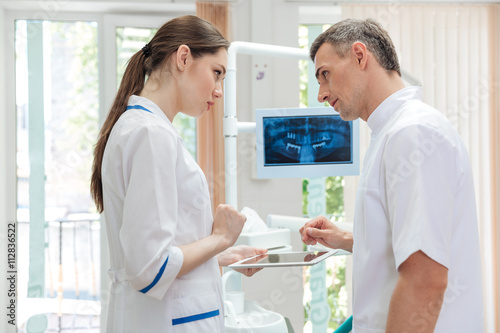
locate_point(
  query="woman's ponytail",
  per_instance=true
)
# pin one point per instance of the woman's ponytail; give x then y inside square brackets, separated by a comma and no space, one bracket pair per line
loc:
[132,84]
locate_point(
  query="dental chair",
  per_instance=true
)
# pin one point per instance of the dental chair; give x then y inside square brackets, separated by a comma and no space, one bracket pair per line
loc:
[346,327]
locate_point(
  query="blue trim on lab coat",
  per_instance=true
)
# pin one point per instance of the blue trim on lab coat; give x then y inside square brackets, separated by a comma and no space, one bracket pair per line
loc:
[157,278]
[200,316]
[140,107]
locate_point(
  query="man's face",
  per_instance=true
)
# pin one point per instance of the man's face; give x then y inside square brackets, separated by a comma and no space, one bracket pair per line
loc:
[339,82]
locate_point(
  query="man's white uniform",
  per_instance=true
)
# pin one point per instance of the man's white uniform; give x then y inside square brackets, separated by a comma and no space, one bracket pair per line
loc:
[415,193]
[155,199]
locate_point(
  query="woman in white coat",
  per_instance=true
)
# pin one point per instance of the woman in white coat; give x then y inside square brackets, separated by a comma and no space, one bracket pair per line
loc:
[165,246]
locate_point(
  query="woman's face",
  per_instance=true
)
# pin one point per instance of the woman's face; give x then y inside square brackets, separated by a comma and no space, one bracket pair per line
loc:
[201,83]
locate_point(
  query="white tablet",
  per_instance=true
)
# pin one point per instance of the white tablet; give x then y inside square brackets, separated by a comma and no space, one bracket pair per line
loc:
[306,258]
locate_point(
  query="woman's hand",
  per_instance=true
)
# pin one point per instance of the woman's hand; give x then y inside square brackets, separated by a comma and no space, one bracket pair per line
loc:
[237,253]
[228,223]
[226,228]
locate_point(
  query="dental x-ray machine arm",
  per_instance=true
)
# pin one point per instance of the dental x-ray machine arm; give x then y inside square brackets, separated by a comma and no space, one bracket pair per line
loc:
[231,125]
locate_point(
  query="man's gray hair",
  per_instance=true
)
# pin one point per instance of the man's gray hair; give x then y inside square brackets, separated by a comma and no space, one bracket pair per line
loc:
[345,33]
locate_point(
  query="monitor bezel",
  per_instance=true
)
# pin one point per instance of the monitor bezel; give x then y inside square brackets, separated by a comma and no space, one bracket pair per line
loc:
[303,171]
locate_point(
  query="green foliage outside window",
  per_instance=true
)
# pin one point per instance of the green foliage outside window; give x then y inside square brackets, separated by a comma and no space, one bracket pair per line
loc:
[334,197]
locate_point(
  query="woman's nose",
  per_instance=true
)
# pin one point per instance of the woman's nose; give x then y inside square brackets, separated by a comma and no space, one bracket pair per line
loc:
[218,93]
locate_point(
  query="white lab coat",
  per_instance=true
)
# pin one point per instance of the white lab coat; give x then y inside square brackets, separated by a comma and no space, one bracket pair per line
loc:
[155,199]
[415,193]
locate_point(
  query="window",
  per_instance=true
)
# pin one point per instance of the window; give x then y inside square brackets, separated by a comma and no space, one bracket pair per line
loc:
[57,123]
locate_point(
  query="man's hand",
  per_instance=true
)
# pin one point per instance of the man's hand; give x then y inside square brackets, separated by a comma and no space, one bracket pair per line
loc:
[323,231]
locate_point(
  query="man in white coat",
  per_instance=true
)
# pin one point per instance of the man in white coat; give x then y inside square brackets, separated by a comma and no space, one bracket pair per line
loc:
[415,243]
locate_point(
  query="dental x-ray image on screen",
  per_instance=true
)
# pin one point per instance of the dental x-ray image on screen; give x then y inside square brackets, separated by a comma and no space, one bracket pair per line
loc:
[306,140]
[305,143]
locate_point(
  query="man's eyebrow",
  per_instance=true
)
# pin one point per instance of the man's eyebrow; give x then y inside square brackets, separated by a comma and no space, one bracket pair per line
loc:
[317,73]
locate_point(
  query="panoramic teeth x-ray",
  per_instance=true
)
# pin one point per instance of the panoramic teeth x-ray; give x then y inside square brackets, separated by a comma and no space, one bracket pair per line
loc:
[306,140]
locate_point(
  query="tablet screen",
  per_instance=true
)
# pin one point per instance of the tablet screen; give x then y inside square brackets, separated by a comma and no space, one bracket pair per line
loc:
[284,259]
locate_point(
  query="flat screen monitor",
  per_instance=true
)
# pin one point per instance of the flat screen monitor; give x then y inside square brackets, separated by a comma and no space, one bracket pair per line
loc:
[305,143]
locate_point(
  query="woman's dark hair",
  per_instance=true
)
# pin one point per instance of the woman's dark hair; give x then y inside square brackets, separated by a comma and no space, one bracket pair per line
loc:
[344,33]
[198,34]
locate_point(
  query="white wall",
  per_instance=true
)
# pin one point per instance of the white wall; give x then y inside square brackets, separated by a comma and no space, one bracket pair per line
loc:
[269,22]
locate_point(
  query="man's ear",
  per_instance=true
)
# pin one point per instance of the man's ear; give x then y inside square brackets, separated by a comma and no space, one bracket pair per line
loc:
[360,54]
[182,57]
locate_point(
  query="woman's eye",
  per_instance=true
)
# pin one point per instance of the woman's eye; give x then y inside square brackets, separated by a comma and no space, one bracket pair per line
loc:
[218,73]
[325,73]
